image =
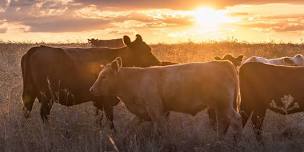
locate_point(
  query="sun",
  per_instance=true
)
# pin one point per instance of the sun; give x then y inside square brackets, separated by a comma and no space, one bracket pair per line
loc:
[210,18]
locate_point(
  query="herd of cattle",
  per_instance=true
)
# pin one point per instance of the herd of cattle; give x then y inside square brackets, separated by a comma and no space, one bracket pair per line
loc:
[232,90]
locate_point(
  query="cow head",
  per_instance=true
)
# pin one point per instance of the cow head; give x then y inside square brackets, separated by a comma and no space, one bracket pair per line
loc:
[237,61]
[289,61]
[92,41]
[106,80]
[299,59]
[139,53]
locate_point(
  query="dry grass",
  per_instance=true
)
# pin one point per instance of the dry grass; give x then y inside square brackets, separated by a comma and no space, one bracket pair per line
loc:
[74,128]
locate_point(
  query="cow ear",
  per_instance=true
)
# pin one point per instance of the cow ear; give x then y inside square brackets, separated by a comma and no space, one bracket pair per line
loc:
[116,64]
[127,40]
[217,58]
[298,55]
[240,57]
[119,61]
[138,37]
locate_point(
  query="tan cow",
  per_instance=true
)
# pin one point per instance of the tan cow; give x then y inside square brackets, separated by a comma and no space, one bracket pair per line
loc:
[297,60]
[151,92]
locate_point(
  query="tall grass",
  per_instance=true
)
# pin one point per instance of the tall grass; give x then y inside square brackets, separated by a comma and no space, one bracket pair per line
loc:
[75,128]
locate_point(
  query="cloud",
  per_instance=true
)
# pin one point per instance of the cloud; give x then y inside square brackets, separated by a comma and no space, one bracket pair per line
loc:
[3,26]
[3,30]
[289,28]
[284,23]
[89,15]
[66,25]
[239,14]
[177,4]
[57,17]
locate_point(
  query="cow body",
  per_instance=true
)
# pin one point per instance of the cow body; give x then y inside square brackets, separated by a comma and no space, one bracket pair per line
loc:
[65,75]
[150,93]
[112,43]
[261,83]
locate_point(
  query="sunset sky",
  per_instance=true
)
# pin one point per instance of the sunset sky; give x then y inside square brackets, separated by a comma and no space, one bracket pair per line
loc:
[164,21]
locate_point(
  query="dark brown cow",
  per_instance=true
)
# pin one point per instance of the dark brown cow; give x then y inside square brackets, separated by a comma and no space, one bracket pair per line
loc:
[65,75]
[113,43]
[187,88]
[260,84]
[237,61]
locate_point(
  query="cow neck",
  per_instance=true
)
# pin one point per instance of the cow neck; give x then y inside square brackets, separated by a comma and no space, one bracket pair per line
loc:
[125,74]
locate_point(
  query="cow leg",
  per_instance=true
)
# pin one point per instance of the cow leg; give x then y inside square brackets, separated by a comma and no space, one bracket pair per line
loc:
[108,109]
[99,110]
[28,98]
[223,122]
[245,111]
[45,107]
[257,121]
[29,93]
[235,125]
[109,104]
[132,125]
[157,114]
[212,118]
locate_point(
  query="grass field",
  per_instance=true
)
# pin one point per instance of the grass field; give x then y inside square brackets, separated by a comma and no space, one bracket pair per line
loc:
[75,129]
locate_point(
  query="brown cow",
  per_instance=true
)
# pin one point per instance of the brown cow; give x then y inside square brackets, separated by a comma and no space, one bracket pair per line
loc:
[261,83]
[150,93]
[112,43]
[65,75]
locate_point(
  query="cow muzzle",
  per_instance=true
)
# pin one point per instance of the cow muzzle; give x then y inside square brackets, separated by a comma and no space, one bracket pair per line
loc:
[94,91]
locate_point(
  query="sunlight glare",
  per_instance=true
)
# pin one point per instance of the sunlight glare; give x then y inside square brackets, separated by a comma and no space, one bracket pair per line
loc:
[210,18]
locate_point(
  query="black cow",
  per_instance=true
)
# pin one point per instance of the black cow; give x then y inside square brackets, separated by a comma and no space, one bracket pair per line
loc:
[260,84]
[65,75]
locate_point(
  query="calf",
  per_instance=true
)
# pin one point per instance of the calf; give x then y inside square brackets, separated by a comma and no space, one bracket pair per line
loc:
[150,93]
[261,83]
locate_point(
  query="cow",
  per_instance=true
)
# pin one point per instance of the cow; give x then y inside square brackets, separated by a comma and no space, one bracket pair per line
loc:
[296,60]
[112,43]
[262,84]
[237,61]
[150,93]
[65,75]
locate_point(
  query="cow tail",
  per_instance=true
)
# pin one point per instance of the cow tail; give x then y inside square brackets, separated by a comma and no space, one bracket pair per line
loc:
[29,92]
[237,97]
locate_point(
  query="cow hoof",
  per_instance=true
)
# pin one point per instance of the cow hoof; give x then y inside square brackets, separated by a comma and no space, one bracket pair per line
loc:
[26,112]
